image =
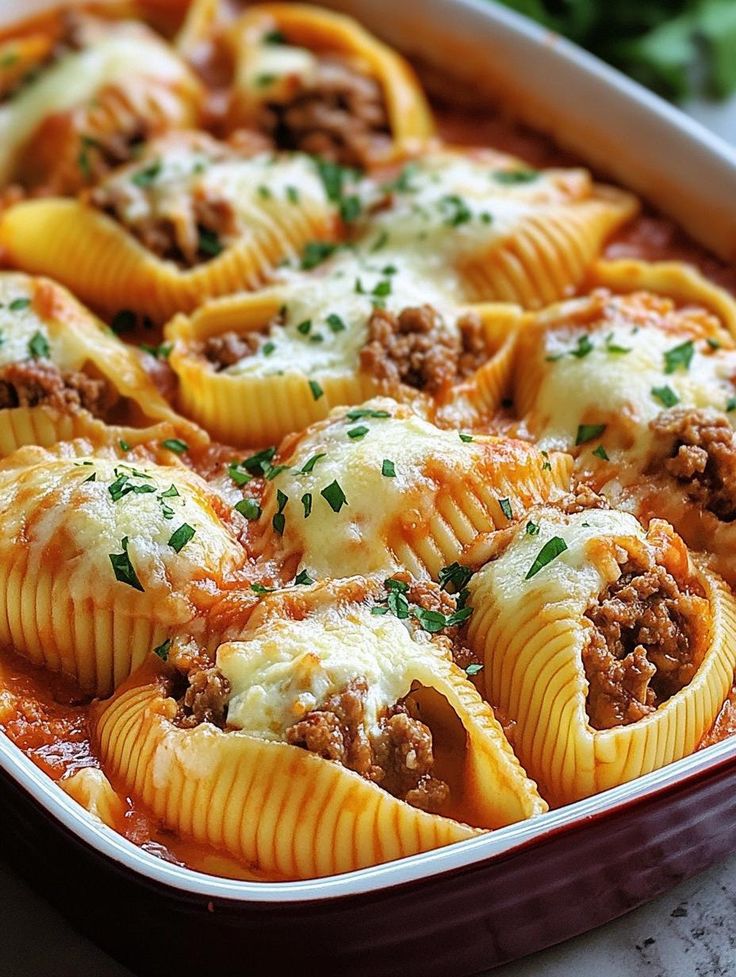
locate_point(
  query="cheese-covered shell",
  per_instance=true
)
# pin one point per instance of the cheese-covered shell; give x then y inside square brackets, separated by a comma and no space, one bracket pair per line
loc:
[276,47]
[599,369]
[380,488]
[101,561]
[496,229]
[291,812]
[51,342]
[122,80]
[305,351]
[529,624]
[166,192]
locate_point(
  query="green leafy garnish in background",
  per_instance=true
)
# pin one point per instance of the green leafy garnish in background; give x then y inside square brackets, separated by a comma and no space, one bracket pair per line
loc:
[679,48]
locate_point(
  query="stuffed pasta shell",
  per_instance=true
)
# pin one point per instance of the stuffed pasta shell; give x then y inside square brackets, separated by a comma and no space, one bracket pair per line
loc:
[63,374]
[378,488]
[315,81]
[608,645]
[77,102]
[652,415]
[333,731]
[189,219]
[356,326]
[101,560]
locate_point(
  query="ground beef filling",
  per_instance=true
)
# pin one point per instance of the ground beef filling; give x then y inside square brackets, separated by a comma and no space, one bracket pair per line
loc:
[340,117]
[398,756]
[640,650]
[204,700]
[415,348]
[702,457]
[196,236]
[230,348]
[30,383]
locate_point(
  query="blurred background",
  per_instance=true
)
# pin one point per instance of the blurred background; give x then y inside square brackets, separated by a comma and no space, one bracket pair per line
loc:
[683,49]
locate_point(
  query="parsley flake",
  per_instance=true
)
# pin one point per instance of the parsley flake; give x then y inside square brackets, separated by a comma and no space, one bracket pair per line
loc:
[388,468]
[308,465]
[335,323]
[549,552]
[18,304]
[532,529]
[600,452]
[334,496]
[506,508]
[181,536]
[38,346]
[123,568]
[465,437]
[162,650]
[356,433]
[249,508]
[306,501]
[473,668]
[316,389]
[679,357]
[665,395]
[147,176]
[586,432]
[176,445]
[302,579]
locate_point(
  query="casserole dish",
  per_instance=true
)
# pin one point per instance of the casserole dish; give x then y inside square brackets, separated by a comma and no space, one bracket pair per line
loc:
[492,898]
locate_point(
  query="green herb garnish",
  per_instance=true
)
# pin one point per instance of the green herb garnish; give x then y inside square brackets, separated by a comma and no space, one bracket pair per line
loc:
[549,552]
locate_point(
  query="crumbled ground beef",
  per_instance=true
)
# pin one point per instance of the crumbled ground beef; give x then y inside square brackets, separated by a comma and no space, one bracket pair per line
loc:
[415,348]
[29,383]
[197,235]
[701,455]
[398,756]
[204,700]
[580,498]
[340,116]
[230,348]
[640,650]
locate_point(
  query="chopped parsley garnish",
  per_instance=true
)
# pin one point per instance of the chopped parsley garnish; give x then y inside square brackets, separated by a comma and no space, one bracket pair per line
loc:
[465,437]
[237,474]
[473,668]
[454,575]
[274,37]
[83,161]
[260,462]
[679,357]
[432,621]
[161,352]
[388,468]
[665,395]
[162,650]
[713,343]
[532,529]
[506,508]
[510,177]
[612,347]
[292,195]
[356,433]
[402,183]
[304,327]
[380,241]
[271,471]
[358,413]
[306,501]
[123,568]
[455,209]
[333,177]
[583,347]
[302,579]
[335,322]
[264,80]
[209,242]
[600,452]
[309,464]
[181,536]
[546,464]
[350,208]
[268,348]
[586,432]
[315,252]
[123,321]
[731,404]
[258,588]
[264,193]
[176,445]
[279,520]
[90,478]
[249,508]
[317,391]
[145,177]
[38,346]
[334,496]
[549,552]
[123,486]
[382,289]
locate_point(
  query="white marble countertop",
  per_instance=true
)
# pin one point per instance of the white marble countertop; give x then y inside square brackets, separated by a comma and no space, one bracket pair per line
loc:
[688,932]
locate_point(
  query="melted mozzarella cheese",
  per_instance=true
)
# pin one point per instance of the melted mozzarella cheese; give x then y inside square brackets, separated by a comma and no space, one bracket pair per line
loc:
[573,578]
[615,387]
[316,343]
[450,207]
[358,538]
[273,71]
[55,507]
[286,668]
[24,334]
[129,50]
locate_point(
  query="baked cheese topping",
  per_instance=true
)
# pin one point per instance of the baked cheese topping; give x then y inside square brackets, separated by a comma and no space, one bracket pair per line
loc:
[363,473]
[128,50]
[286,668]
[622,375]
[326,313]
[150,528]
[448,207]
[273,72]
[536,562]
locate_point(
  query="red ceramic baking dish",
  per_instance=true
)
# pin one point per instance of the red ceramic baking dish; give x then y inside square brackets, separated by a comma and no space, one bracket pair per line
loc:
[467,907]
